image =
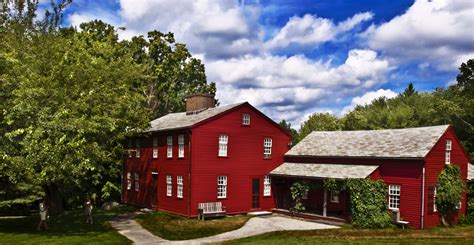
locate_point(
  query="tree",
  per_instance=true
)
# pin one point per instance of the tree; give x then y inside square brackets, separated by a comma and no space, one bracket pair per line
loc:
[449,191]
[410,90]
[287,126]
[319,122]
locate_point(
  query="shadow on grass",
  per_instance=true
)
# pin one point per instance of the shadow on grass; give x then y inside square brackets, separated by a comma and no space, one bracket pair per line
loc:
[66,228]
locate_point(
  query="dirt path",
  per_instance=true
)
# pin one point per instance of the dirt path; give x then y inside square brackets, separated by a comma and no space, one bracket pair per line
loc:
[257,225]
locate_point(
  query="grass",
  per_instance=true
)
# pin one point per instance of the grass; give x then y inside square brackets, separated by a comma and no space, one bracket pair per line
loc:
[68,228]
[453,235]
[174,227]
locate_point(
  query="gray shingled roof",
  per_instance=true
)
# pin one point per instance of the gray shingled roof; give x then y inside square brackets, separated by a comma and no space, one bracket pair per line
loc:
[470,171]
[323,170]
[389,143]
[181,120]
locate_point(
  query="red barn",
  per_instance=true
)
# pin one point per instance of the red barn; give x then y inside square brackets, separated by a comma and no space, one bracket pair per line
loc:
[408,160]
[206,154]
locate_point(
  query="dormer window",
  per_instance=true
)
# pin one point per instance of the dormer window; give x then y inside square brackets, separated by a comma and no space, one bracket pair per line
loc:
[448,152]
[245,119]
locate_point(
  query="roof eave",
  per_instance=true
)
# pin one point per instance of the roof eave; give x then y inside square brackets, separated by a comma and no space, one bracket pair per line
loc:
[309,177]
[358,157]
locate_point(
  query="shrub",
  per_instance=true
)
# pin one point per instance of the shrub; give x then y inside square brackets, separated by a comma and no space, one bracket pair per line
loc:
[297,191]
[449,191]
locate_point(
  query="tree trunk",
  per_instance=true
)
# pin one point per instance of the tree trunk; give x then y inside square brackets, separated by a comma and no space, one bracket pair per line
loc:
[54,199]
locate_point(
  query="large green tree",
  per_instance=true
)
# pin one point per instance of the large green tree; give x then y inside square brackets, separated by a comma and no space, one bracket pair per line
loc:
[70,97]
[319,122]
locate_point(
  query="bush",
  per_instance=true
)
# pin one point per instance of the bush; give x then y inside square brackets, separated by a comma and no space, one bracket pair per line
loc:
[368,201]
[449,191]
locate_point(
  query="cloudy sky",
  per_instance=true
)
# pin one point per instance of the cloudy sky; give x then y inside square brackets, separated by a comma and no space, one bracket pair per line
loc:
[292,58]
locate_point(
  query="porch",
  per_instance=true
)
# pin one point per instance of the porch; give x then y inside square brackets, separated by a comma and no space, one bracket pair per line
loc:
[320,204]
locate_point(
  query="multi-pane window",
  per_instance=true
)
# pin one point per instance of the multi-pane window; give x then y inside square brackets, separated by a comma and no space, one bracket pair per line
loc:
[223,140]
[179,183]
[267,186]
[246,119]
[434,200]
[221,186]
[393,196]
[137,145]
[155,147]
[169,142]
[448,152]
[169,185]
[130,145]
[129,181]
[137,181]
[181,146]
[334,196]
[267,148]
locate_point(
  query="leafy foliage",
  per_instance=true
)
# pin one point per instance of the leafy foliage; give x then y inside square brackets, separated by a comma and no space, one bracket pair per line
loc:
[368,200]
[294,134]
[469,217]
[298,190]
[449,190]
[319,122]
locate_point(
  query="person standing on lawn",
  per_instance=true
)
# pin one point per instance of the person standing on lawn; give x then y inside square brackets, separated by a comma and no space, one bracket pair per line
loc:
[43,211]
[88,209]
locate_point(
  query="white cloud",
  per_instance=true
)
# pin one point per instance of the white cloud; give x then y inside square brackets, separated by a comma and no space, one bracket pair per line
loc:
[313,30]
[438,32]
[76,19]
[367,98]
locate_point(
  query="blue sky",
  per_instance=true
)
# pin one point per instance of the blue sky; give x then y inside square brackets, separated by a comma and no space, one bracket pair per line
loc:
[295,57]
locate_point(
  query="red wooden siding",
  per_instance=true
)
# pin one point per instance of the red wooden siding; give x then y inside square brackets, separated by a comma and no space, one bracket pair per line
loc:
[434,164]
[244,161]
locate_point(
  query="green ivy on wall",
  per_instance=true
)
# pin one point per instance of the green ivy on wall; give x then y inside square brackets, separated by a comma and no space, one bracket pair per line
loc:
[449,191]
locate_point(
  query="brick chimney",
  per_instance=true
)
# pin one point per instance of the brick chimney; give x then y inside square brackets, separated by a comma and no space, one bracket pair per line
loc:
[196,103]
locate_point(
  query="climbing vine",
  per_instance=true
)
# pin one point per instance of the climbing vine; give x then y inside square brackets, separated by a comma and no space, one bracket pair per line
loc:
[449,191]
[298,190]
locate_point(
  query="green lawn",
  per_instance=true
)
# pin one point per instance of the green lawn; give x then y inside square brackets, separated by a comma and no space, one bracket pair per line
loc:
[454,235]
[69,228]
[174,227]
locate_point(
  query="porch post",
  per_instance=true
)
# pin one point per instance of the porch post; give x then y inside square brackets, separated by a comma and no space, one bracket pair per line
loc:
[325,202]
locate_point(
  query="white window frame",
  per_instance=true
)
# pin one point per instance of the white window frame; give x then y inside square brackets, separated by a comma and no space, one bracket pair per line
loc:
[169,143]
[129,180]
[137,145]
[181,146]
[179,184]
[137,181]
[267,147]
[334,196]
[394,192]
[447,158]
[245,119]
[267,186]
[130,145]
[459,205]
[221,186]
[434,200]
[169,185]
[305,195]
[223,145]
[155,147]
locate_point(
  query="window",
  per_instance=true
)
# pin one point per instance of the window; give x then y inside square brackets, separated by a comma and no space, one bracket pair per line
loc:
[267,148]
[130,145]
[245,119]
[137,145]
[223,139]
[305,195]
[137,181]
[459,205]
[155,148]
[334,196]
[393,196]
[181,146]
[169,141]
[129,181]
[179,183]
[221,186]
[448,152]
[432,199]
[169,185]
[267,186]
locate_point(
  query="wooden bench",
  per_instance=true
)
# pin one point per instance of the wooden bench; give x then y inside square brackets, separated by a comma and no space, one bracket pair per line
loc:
[210,209]
[397,219]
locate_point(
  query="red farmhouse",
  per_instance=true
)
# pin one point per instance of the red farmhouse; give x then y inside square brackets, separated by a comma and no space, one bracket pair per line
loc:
[206,154]
[408,160]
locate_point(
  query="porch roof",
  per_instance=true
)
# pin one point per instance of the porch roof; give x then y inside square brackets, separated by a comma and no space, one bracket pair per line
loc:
[323,170]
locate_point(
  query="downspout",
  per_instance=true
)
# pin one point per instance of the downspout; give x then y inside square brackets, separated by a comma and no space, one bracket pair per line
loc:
[189,175]
[423,194]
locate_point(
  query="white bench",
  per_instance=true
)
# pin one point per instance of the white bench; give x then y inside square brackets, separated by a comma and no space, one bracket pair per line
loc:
[397,219]
[210,209]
